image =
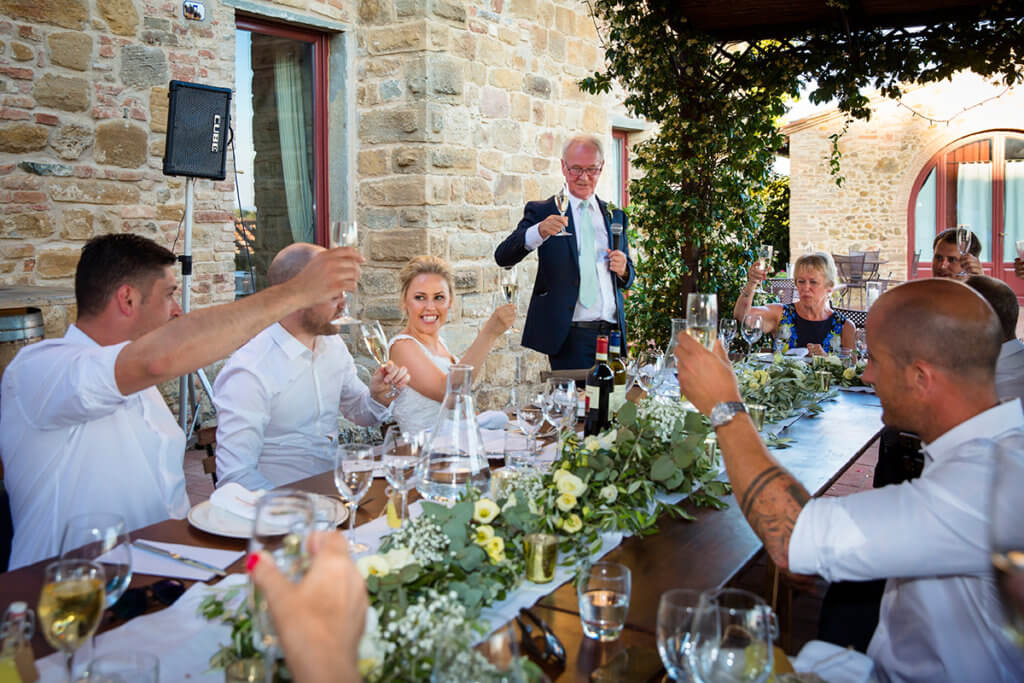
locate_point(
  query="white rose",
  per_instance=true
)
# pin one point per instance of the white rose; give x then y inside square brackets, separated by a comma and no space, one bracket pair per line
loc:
[607,441]
[373,565]
[609,494]
[398,558]
[565,502]
[570,483]
[591,443]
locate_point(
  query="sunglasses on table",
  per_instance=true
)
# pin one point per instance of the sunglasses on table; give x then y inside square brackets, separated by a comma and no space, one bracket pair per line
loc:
[136,601]
[539,640]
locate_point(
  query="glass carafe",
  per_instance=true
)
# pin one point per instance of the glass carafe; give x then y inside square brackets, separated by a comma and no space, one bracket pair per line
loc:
[667,382]
[455,455]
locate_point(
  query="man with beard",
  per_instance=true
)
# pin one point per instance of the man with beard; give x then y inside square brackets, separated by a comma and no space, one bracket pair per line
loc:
[278,396]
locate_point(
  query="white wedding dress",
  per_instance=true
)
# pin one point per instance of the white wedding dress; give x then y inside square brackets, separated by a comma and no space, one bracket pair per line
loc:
[412,410]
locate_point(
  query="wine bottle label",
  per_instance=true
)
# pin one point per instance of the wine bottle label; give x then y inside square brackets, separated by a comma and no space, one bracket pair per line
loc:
[593,397]
[617,399]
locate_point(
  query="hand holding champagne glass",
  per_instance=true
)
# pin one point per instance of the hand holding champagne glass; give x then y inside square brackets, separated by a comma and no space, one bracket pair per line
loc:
[764,261]
[562,204]
[508,284]
[344,234]
[70,605]
[376,345]
[702,318]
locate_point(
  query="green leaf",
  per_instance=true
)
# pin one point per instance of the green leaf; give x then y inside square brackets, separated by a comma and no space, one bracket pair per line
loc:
[662,469]
[626,416]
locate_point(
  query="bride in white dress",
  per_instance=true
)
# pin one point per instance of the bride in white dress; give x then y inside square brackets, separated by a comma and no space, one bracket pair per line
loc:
[426,298]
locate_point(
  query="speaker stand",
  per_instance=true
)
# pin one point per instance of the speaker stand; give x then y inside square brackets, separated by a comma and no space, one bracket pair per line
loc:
[186,388]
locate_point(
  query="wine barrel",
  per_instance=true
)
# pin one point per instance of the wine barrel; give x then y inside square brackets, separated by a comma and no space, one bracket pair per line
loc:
[19,327]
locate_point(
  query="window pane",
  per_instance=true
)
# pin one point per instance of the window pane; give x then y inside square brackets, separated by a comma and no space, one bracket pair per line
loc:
[617,158]
[924,217]
[974,202]
[1014,194]
[274,136]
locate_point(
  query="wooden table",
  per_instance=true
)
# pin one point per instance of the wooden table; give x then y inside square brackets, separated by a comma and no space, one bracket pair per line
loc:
[703,554]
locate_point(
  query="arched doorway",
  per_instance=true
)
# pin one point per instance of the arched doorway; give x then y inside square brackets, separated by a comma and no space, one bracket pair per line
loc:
[977,181]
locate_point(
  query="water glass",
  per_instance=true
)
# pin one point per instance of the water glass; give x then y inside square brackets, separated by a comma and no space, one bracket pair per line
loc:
[731,637]
[603,590]
[402,453]
[1007,535]
[102,537]
[354,464]
[124,667]
[560,403]
[646,368]
[727,332]
[846,358]
[530,414]
[676,609]
[860,341]
[872,290]
[753,328]
[824,378]
[702,318]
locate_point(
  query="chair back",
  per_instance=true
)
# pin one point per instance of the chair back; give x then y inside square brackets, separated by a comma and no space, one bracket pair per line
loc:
[858,318]
[851,268]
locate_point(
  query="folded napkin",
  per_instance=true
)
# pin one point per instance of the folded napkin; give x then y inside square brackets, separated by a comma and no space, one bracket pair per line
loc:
[492,419]
[146,562]
[799,352]
[833,663]
[236,499]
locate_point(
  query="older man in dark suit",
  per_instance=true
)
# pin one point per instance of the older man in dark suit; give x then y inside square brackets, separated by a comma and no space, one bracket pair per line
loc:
[577,294]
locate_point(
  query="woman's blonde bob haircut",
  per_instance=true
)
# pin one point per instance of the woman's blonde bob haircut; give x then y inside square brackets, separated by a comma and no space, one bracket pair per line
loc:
[820,261]
[424,264]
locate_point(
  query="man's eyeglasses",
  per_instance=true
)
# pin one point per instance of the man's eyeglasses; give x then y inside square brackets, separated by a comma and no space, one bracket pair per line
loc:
[577,171]
[136,601]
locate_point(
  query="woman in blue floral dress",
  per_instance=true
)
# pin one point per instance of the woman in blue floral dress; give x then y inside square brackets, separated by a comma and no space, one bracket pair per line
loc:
[810,322]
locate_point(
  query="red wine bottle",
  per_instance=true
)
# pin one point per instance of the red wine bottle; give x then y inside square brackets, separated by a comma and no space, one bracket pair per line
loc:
[600,385]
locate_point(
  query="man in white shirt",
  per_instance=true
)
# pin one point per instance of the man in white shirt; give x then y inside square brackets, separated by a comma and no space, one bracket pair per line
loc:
[1010,365]
[278,396]
[82,426]
[933,347]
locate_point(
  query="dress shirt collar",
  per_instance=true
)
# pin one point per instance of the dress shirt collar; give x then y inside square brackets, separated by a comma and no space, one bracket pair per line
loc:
[581,203]
[75,334]
[291,346]
[988,425]
[1010,348]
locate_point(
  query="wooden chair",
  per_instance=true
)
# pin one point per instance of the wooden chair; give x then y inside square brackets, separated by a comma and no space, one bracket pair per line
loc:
[207,439]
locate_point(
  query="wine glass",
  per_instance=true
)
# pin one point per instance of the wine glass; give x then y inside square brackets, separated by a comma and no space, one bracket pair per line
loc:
[731,637]
[283,520]
[70,605]
[1007,535]
[765,252]
[560,403]
[727,332]
[860,341]
[562,204]
[782,336]
[676,609]
[646,368]
[353,473]
[753,328]
[402,453]
[344,234]
[530,414]
[377,345]
[702,318]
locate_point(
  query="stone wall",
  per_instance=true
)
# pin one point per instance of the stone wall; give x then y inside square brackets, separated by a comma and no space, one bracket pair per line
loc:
[881,161]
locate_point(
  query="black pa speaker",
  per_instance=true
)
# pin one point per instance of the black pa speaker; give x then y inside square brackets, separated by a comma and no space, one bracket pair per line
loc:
[197,130]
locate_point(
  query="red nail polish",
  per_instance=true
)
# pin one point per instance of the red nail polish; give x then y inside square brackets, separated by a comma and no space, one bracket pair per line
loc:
[251,562]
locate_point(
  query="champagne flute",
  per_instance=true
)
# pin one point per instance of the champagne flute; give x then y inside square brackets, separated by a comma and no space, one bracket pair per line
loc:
[963,242]
[402,453]
[562,204]
[765,252]
[508,282]
[70,605]
[753,328]
[676,609]
[353,472]
[283,520]
[377,346]
[702,318]
[101,537]
[344,234]
[1007,535]
[727,332]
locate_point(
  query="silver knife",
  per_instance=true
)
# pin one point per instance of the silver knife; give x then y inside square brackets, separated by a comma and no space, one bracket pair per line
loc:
[142,545]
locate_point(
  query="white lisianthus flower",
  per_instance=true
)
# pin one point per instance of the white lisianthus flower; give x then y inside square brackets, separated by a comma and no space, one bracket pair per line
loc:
[565,502]
[484,533]
[591,443]
[570,483]
[607,441]
[572,523]
[373,565]
[398,558]
[557,475]
[485,510]
[609,494]
[849,373]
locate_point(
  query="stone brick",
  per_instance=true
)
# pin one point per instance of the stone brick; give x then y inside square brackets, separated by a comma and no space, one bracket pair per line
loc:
[467,279]
[21,52]
[518,163]
[556,46]
[71,49]
[469,246]
[565,20]
[497,220]
[34,225]
[507,79]
[158,104]
[453,11]
[412,216]
[17,251]
[491,159]
[63,13]
[120,143]
[508,189]
[85,191]
[494,103]
[445,75]
[392,125]
[43,168]
[377,218]
[442,189]
[410,160]
[520,107]
[374,281]
[506,135]
[76,224]
[143,67]
[62,92]
[458,158]
[57,263]
[401,38]
[71,140]
[478,191]
[397,245]
[538,86]
[595,119]
[409,8]
[22,137]
[526,9]
[393,192]
[373,162]
[373,11]
[169,212]
[120,15]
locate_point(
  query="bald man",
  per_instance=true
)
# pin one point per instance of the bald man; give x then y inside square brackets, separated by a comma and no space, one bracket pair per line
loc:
[933,348]
[278,397]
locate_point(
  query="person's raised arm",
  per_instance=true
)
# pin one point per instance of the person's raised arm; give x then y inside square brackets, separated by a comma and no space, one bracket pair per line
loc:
[770,315]
[209,334]
[501,319]
[769,496]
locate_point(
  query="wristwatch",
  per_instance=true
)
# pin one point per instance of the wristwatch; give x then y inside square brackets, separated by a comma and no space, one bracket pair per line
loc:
[724,412]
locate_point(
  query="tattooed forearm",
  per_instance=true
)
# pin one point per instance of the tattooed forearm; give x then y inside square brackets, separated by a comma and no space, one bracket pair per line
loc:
[771,504]
[749,496]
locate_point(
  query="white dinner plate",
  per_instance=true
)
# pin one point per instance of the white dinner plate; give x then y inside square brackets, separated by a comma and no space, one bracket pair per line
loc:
[213,520]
